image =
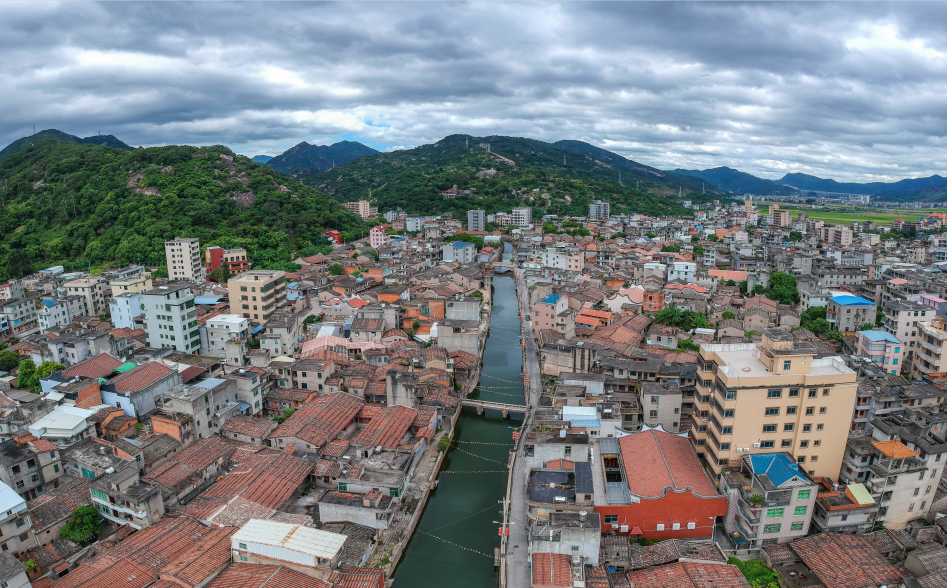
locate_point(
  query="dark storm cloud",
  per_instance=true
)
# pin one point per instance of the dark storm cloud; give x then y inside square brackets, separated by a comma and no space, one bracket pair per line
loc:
[852,91]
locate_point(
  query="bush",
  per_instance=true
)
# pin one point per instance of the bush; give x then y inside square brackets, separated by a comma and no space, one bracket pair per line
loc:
[757,573]
[444,443]
[84,527]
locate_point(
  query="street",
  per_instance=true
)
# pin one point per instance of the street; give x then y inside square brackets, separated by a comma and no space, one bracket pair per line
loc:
[518,572]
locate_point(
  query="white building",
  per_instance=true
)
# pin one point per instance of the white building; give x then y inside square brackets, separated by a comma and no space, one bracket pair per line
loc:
[476,220]
[459,251]
[54,313]
[682,270]
[600,209]
[184,259]
[15,524]
[13,572]
[413,224]
[123,309]
[563,258]
[171,319]
[270,542]
[65,425]
[227,336]
[522,217]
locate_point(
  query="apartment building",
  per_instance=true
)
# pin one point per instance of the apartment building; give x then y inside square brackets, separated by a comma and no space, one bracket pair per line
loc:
[900,463]
[600,209]
[16,534]
[93,291]
[848,313]
[929,350]
[459,251]
[124,309]
[257,294]
[683,271]
[12,289]
[377,237]
[361,207]
[233,259]
[476,220]
[184,259]
[901,319]
[782,218]
[779,396]
[20,316]
[522,217]
[130,285]
[227,336]
[661,405]
[884,349]
[170,318]
[564,258]
[548,309]
[838,236]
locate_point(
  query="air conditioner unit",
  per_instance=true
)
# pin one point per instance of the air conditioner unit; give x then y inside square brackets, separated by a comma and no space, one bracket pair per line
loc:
[624,528]
[756,445]
[559,499]
[691,525]
[659,527]
[676,527]
[614,526]
[703,419]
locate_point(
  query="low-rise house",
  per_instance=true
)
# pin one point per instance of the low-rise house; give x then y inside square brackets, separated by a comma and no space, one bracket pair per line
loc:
[191,471]
[64,425]
[24,466]
[13,572]
[832,560]
[575,534]
[848,509]
[136,390]
[53,509]
[248,429]
[209,403]
[16,533]
[371,509]
[309,551]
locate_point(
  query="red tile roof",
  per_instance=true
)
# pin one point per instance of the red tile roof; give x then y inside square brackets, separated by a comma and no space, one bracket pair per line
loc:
[689,575]
[661,461]
[190,373]
[94,367]
[845,561]
[246,575]
[551,569]
[316,423]
[191,462]
[245,425]
[200,562]
[387,427]
[141,377]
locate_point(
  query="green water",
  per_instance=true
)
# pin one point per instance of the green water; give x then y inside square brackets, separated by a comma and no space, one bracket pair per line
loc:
[464,508]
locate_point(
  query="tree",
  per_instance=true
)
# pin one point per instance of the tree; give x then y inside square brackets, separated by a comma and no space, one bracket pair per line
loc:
[688,345]
[161,272]
[670,316]
[866,327]
[818,326]
[312,318]
[782,288]
[444,443]
[220,274]
[879,317]
[728,315]
[43,371]
[713,238]
[650,235]
[466,238]
[84,527]
[670,248]
[336,269]
[698,251]
[25,372]
[9,360]
[694,238]
[477,294]
[415,325]
[731,282]
[743,287]
[795,236]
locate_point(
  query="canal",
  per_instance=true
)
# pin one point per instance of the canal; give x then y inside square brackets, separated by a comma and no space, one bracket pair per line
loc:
[464,509]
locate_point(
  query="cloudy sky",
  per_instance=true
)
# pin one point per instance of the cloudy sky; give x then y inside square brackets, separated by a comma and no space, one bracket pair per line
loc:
[857,92]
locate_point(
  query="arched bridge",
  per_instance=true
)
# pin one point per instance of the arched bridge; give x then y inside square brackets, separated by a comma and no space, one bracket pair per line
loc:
[506,409]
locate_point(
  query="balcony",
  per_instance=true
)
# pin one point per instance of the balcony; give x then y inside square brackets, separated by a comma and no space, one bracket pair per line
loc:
[931,346]
[888,467]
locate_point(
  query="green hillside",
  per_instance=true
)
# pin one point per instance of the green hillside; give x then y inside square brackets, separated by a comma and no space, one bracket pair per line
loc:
[107,140]
[513,172]
[82,205]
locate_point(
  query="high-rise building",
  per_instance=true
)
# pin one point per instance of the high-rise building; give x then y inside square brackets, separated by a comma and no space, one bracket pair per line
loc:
[184,259]
[522,217]
[779,396]
[360,207]
[782,218]
[257,294]
[600,209]
[170,317]
[476,220]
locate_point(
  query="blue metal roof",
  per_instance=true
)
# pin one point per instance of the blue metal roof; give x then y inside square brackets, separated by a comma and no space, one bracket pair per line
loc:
[849,300]
[256,330]
[462,244]
[879,337]
[292,285]
[210,383]
[779,468]
[586,423]
[209,299]
[551,299]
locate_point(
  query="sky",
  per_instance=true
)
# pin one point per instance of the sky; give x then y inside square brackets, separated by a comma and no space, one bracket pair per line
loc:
[855,92]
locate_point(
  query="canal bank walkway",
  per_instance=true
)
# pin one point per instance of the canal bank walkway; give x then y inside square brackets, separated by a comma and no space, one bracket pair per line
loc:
[517,568]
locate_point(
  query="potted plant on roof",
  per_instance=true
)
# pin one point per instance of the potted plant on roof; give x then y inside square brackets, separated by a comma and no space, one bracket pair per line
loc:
[756,500]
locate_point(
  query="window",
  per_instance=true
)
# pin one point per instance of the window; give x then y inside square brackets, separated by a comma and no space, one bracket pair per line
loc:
[800,510]
[819,427]
[724,447]
[796,526]
[728,414]
[806,428]
[787,364]
[343,486]
[241,545]
[769,428]
[774,513]
[767,444]
[810,410]
[568,450]
[775,394]
[610,519]
[772,411]
[813,393]
[917,491]
[772,528]
[825,392]
[911,508]
[786,443]
[654,400]
[726,430]
[803,494]
[654,414]
[821,410]
[789,427]
[844,517]
[794,392]
[803,444]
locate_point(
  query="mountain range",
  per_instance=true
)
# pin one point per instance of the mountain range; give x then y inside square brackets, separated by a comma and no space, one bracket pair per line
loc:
[304,158]
[107,140]
[932,188]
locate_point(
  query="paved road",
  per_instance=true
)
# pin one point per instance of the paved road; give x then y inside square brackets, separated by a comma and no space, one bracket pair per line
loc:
[518,573]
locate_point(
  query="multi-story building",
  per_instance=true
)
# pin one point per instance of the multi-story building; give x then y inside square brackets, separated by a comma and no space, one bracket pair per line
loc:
[124,309]
[257,294]
[60,312]
[184,259]
[779,396]
[600,209]
[170,317]
[884,349]
[548,309]
[782,218]
[771,500]
[234,260]
[459,251]
[838,236]
[377,237]
[210,403]
[522,217]
[12,289]
[848,313]
[134,284]
[16,534]
[20,316]
[476,220]
[929,357]
[227,336]
[413,224]
[901,319]
[661,405]
[93,291]
[361,207]
[27,470]
[900,463]
[282,333]
[683,271]
[564,258]
[848,508]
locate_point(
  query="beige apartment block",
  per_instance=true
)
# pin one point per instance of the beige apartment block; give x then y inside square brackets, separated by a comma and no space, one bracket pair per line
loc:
[257,294]
[93,292]
[184,259]
[779,396]
[361,207]
[135,285]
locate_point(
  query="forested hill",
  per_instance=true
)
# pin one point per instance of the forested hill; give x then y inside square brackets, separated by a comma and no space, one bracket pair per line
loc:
[107,140]
[76,204]
[553,179]
[304,158]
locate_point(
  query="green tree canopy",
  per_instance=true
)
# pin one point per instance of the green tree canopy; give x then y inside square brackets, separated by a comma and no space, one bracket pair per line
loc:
[9,360]
[782,288]
[467,238]
[795,236]
[84,527]
[336,269]
[727,315]
[25,372]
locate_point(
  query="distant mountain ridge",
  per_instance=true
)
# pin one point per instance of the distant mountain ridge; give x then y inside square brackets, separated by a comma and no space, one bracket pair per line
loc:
[305,158]
[738,182]
[807,182]
[107,140]
[262,158]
